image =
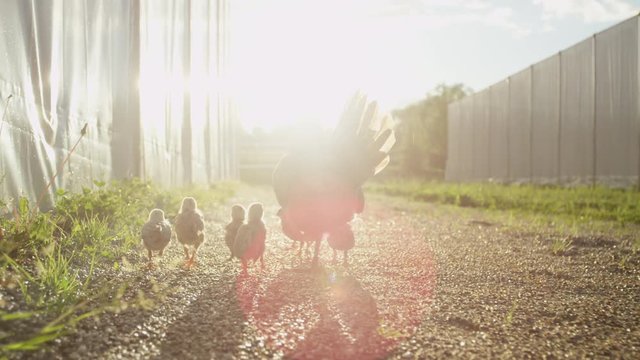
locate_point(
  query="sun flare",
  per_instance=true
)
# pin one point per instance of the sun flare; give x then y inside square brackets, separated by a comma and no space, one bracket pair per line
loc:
[290,67]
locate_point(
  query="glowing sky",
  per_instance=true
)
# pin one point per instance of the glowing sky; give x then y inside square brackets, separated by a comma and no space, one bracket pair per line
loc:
[297,61]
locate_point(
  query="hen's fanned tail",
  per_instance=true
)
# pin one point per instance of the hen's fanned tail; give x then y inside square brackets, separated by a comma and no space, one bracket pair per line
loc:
[362,140]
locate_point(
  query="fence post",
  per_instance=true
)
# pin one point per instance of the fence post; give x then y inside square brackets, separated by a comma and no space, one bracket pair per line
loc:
[531,124]
[560,98]
[595,109]
[638,100]
[508,128]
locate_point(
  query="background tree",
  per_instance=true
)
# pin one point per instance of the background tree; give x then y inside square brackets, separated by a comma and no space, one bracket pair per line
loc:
[422,133]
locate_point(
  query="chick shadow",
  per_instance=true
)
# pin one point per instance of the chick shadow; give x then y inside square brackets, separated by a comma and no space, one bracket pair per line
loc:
[319,314]
[90,335]
[211,326]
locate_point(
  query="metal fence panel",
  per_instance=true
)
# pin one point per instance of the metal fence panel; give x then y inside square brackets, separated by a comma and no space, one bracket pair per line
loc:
[58,60]
[577,116]
[466,139]
[617,127]
[452,171]
[201,76]
[520,126]
[481,135]
[75,62]
[499,144]
[545,125]
[574,117]
[184,75]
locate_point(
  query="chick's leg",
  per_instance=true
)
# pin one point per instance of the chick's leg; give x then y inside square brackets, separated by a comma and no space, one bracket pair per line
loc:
[196,246]
[307,248]
[193,256]
[186,252]
[316,252]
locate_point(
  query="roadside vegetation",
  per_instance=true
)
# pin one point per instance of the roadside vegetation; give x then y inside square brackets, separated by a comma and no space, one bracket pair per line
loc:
[575,211]
[62,266]
[580,204]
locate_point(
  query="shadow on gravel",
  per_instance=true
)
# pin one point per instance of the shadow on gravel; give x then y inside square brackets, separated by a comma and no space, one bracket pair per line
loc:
[98,335]
[211,325]
[322,314]
[593,242]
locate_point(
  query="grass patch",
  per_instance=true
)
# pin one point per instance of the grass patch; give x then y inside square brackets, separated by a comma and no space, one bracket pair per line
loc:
[577,205]
[561,246]
[48,261]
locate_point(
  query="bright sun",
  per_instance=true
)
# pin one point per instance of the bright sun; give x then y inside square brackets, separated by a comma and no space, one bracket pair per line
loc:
[290,63]
[289,66]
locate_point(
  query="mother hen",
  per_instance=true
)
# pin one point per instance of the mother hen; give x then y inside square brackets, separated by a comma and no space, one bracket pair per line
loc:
[320,189]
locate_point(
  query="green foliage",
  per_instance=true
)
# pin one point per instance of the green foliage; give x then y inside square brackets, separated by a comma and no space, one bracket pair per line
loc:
[635,244]
[50,258]
[508,318]
[578,204]
[421,147]
[560,246]
[48,281]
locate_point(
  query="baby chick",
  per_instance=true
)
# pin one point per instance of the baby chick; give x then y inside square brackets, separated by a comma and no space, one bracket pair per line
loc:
[231,230]
[341,238]
[250,241]
[156,232]
[190,228]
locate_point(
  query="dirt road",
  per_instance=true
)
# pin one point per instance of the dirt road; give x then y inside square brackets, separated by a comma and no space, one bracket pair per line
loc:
[423,282]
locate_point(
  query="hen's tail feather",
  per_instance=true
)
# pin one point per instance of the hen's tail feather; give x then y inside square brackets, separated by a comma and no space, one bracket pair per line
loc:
[362,140]
[383,164]
[387,127]
[367,124]
[351,117]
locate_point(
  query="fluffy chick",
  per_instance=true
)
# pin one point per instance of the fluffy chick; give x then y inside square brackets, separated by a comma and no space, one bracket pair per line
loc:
[341,239]
[156,232]
[189,227]
[231,230]
[249,243]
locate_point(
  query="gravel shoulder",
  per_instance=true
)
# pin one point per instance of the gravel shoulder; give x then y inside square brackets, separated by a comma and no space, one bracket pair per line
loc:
[424,281]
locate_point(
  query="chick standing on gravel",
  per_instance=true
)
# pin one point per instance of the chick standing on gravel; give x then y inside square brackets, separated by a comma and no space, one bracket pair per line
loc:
[231,230]
[190,228]
[341,239]
[156,232]
[249,243]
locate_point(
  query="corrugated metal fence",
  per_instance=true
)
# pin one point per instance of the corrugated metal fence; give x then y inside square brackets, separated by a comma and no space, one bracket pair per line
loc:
[145,75]
[571,118]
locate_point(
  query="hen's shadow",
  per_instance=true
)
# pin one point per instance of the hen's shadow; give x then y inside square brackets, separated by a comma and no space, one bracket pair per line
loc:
[340,316]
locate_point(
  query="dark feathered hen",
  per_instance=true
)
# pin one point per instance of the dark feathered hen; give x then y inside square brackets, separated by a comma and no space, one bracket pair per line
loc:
[156,232]
[189,226]
[320,189]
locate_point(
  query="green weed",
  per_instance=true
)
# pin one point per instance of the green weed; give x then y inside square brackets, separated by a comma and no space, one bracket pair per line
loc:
[560,246]
[624,262]
[635,244]
[508,319]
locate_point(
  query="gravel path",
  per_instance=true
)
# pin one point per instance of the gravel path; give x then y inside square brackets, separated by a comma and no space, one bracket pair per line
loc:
[423,282]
